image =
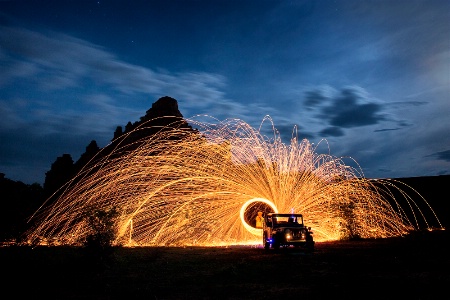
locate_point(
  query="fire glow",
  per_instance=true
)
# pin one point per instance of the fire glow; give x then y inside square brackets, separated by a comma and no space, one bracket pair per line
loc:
[182,187]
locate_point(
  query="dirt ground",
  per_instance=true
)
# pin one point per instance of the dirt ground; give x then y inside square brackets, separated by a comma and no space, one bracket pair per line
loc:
[414,267]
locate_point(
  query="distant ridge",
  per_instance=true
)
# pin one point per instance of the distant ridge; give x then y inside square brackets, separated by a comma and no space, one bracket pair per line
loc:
[435,190]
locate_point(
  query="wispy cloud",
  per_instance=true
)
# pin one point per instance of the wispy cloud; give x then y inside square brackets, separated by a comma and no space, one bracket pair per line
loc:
[56,65]
[441,155]
[57,61]
[345,108]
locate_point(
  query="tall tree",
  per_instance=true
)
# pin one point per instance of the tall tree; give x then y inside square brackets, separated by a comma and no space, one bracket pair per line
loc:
[61,172]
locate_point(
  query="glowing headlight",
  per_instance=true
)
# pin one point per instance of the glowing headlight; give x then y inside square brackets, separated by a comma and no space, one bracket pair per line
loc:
[288,234]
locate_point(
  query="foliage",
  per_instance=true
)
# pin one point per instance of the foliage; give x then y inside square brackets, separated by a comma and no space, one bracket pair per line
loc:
[99,242]
[102,226]
[345,213]
[19,201]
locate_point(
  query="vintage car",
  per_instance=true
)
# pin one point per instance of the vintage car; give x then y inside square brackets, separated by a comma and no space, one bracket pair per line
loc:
[285,230]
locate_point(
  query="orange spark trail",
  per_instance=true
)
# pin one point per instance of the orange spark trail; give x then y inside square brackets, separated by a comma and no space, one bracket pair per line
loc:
[181,187]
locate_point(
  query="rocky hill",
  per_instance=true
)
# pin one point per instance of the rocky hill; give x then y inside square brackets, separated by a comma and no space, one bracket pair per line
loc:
[163,113]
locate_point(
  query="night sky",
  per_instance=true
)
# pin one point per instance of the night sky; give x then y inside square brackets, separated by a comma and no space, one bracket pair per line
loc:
[370,78]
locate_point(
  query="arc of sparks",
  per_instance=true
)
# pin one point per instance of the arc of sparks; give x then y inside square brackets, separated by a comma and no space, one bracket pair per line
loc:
[192,187]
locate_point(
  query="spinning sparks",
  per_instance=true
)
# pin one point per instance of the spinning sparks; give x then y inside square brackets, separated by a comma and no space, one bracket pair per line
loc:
[202,187]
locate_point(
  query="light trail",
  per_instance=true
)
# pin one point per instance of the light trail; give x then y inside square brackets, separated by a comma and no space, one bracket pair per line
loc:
[181,187]
[251,229]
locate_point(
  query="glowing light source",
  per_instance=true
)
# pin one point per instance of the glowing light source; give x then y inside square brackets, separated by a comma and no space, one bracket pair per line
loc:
[251,229]
[181,187]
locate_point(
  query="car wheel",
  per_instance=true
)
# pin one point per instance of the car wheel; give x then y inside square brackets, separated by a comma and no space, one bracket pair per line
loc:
[309,247]
[275,244]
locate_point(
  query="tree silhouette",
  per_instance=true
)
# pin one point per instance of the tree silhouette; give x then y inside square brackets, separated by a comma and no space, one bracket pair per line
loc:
[60,173]
[118,132]
[91,150]
[19,201]
[99,242]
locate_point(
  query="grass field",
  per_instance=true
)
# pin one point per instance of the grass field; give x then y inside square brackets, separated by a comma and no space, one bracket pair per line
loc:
[415,267]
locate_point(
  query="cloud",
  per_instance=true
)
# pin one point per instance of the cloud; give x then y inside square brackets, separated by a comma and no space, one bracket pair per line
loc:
[58,64]
[287,131]
[386,129]
[332,131]
[442,155]
[349,107]
[347,110]
[61,61]
[59,92]
[314,98]
[385,136]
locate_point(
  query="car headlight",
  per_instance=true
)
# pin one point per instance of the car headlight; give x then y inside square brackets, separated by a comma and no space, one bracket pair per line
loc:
[303,234]
[288,234]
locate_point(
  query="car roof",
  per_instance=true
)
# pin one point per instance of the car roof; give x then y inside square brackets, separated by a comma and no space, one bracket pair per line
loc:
[283,215]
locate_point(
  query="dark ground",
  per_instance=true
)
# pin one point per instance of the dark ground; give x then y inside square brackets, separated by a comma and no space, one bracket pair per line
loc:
[413,267]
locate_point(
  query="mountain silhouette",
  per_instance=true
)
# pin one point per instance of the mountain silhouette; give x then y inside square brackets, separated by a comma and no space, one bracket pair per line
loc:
[163,115]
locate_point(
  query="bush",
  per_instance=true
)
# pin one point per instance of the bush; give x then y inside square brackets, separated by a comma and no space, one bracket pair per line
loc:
[100,241]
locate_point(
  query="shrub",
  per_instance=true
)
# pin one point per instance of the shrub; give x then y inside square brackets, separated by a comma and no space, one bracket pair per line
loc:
[100,241]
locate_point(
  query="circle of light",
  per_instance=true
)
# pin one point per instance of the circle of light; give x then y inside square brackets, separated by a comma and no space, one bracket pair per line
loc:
[251,229]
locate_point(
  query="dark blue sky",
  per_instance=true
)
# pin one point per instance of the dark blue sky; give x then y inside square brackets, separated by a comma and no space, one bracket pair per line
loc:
[372,78]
